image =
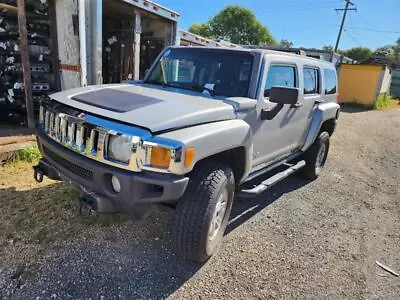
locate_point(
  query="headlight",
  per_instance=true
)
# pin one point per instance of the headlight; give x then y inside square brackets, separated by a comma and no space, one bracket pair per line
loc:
[119,148]
[155,154]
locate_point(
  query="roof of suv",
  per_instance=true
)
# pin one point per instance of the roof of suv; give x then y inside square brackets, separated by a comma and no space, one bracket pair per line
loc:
[260,51]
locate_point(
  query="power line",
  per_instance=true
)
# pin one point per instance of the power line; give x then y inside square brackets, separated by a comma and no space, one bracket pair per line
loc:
[345,9]
[310,28]
[356,34]
[352,36]
[362,18]
[373,30]
[301,6]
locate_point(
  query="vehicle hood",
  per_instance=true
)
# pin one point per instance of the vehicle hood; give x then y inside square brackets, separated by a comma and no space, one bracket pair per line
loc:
[153,107]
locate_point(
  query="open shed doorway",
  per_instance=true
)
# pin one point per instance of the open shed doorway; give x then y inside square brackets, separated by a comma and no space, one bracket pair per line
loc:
[125,28]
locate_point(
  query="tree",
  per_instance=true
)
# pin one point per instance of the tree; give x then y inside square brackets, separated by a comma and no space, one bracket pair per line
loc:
[358,53]
[386,50]
[396,52]
[200,29]
[285,44]
[328,48]
[237,25]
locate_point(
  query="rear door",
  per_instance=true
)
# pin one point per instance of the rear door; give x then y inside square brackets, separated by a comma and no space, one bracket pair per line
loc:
[310,96]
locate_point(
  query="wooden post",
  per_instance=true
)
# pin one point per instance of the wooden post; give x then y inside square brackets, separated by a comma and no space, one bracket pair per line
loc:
[26,68]
[54,44]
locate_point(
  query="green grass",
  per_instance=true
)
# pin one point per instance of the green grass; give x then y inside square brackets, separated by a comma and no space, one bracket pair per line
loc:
[43,214]
[385,101]
[29,153]
[382,101]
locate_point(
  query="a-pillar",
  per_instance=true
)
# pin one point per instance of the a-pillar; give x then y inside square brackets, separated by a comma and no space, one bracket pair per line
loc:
[138,31]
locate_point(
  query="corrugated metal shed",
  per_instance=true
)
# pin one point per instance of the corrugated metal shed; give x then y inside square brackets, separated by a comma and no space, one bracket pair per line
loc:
[363,83]
[395,86]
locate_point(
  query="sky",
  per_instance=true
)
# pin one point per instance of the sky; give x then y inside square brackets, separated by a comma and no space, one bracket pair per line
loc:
[307,23]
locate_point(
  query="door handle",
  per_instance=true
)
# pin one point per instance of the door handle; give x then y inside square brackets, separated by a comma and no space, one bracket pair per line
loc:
[296,105]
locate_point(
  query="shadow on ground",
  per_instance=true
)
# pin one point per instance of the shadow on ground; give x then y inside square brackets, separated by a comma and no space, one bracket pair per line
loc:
[244,209]
[354,108]
[123,259]
[9,129]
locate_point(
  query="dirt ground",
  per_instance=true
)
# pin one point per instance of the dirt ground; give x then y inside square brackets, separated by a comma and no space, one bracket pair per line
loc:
[299,240]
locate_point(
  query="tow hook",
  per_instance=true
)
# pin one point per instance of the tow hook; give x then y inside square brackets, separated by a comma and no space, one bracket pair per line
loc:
[86,206]
[38,173]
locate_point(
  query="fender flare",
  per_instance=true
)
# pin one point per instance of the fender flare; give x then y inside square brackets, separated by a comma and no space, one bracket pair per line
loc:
[213,138]
[320,114]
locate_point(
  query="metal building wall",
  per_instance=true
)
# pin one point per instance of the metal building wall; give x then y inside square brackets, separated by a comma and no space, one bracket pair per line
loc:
[68,43]
[395,86]
[69,27]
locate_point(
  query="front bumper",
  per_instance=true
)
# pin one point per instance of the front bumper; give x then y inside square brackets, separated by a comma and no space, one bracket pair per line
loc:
[94,179]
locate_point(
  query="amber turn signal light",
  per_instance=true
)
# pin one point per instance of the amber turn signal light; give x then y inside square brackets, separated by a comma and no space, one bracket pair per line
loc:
[189,157]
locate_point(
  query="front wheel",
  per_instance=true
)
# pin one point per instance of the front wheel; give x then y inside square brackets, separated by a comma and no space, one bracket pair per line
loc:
[203,212]
[315,156]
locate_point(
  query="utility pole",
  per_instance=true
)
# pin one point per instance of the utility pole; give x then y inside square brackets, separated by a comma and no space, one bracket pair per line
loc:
[26,68]
[345,9]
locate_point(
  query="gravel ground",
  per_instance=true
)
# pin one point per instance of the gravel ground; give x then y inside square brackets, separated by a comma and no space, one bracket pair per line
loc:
[299,240]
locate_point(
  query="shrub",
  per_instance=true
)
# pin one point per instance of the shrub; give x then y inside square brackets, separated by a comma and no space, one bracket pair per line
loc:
[382,101]
[28,153]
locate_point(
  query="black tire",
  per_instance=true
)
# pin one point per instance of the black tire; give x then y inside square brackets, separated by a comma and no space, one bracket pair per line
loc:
[312,169]
[196,210]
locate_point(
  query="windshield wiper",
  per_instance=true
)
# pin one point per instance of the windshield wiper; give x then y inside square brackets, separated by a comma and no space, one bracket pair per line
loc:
[152,81]
[187,86]
[184,86]
[176,85]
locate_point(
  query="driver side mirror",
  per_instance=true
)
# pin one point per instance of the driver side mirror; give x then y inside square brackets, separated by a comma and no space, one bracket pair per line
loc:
[283,95]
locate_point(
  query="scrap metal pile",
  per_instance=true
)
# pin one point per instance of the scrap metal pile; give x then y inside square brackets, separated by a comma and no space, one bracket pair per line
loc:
[12,98]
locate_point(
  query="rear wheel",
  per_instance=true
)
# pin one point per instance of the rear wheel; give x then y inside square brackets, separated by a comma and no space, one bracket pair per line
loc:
[315,156]
[203,212]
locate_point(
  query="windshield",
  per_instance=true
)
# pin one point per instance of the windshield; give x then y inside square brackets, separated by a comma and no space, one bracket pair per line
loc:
[228,72]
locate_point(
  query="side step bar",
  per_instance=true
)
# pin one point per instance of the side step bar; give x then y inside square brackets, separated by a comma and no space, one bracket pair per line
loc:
[249,193]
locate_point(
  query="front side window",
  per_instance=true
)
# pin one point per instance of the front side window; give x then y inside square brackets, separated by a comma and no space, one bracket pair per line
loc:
[191,68]
[283,76]
[311,80]
[330,82]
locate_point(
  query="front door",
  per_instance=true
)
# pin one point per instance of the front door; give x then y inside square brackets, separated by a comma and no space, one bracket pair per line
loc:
[284,133]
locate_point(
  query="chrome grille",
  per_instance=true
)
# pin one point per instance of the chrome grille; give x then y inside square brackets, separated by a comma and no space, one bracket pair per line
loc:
[74,132]
[89,135]
[79,135]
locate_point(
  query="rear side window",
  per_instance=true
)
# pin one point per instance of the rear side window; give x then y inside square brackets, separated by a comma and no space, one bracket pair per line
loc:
[280,76]
[330,81]
[311,80]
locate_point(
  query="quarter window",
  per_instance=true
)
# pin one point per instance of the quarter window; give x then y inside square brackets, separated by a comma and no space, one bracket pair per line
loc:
[280,76]
[311,80]
[330,81]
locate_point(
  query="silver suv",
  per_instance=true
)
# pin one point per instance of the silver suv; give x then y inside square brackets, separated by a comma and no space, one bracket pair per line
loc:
[203,122]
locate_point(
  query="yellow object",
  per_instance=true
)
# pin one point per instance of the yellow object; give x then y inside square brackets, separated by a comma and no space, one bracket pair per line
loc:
[160,157]
[189,157]
[359,83]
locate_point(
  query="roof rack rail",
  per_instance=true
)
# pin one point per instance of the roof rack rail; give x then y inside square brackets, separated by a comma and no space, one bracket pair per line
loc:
[288,50]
